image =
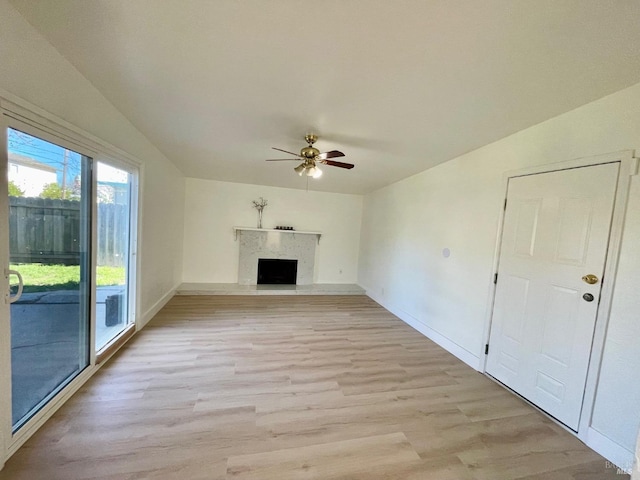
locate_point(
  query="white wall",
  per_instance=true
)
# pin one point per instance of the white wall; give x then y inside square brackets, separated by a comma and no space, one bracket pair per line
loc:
[30,180]
[457,204]
[33,70]
[213,208]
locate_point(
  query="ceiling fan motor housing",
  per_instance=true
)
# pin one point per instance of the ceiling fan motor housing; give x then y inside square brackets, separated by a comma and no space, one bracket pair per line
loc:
[309,152]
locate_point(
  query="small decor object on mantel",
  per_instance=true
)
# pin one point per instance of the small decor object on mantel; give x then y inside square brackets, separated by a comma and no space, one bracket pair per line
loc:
[259,205]
[280,227]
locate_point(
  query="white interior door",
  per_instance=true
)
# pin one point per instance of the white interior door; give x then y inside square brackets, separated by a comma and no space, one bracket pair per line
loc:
[556,231]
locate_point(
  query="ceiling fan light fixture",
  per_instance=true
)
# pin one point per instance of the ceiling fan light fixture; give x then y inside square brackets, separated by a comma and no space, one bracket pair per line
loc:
[311,157]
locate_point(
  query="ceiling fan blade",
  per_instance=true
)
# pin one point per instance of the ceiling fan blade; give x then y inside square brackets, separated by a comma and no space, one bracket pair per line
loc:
[282,160]
[338,164]
[290,153]
[331,154]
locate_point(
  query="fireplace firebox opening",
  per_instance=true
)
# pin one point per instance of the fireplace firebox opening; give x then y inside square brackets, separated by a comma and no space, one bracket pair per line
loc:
[273,271]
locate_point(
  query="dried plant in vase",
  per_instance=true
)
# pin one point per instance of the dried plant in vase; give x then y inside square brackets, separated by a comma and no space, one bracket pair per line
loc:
[259,205]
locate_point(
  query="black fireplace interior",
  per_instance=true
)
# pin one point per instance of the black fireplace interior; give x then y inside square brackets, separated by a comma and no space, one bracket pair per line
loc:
[277,272]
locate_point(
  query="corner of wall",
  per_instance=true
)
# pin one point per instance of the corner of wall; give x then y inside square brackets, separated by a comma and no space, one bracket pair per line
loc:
[453,348]
[156,307]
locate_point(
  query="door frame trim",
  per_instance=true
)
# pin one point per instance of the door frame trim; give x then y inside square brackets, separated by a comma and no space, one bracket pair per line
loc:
[628,168]
[5,326]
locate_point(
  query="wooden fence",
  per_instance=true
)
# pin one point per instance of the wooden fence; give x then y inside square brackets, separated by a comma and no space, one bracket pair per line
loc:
[113,234]
[49,231]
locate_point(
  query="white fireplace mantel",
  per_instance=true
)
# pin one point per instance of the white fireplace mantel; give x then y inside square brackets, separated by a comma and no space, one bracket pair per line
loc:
[289,232]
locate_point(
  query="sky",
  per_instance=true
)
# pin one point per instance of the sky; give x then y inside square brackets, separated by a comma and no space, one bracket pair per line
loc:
[45,152]
[53,155]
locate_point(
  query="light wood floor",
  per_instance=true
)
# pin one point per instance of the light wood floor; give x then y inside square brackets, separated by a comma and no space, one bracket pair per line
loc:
[295,387]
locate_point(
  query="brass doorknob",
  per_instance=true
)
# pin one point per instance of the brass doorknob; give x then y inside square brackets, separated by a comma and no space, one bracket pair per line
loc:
[591,279]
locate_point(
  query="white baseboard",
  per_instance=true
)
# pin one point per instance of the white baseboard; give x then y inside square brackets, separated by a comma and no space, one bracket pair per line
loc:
[615,453]
[156,307]
[461,353]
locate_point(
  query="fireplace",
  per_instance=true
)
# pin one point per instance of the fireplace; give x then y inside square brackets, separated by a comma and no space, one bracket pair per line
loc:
[257,245]
[272,271]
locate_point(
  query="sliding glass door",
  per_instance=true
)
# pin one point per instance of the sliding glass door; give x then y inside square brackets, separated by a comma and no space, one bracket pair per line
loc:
[49,198]
[67,241]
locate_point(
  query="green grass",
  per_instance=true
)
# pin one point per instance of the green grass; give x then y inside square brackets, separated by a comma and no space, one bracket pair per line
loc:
[42,278]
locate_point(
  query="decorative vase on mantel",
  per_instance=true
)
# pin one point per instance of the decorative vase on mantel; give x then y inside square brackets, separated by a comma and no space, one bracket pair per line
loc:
[259,205]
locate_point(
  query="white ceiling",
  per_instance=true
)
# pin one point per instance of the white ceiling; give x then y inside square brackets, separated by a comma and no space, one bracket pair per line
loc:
[399,86]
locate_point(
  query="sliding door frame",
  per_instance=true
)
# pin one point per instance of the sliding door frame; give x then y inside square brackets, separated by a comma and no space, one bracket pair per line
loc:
[5,325]
[20,115]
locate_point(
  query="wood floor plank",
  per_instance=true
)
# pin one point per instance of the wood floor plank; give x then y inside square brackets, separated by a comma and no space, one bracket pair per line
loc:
[318,387]
[346,457]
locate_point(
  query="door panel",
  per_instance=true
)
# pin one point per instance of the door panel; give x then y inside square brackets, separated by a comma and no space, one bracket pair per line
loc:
[114,219]
[517,298]
[575,223]
[559,321]
[556,230]
[49,232]
[526,226]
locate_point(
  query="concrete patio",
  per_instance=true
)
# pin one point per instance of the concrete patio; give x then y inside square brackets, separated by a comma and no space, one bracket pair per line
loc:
[48,334]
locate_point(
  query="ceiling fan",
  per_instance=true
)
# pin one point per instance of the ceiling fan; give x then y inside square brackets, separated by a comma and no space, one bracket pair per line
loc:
[311,156]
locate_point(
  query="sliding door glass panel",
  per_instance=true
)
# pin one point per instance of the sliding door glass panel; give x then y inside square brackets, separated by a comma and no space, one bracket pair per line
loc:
[49,232]
[113,256]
